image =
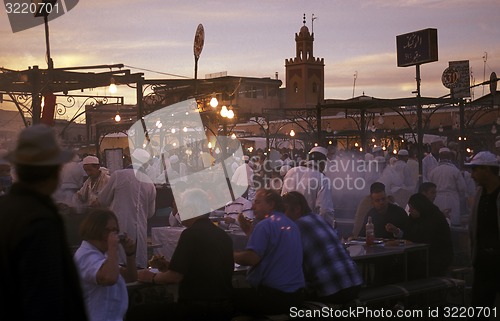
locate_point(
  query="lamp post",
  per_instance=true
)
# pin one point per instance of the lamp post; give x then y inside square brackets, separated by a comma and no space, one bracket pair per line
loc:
[292,134]
[227,114]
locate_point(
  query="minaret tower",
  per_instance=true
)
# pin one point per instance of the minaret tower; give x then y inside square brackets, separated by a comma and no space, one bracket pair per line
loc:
[304,73]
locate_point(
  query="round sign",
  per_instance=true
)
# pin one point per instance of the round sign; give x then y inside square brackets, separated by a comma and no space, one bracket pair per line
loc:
[199,40]
[450,77]
[493,83]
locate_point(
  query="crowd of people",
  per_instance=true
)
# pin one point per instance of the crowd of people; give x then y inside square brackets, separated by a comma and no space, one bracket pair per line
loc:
[294,250]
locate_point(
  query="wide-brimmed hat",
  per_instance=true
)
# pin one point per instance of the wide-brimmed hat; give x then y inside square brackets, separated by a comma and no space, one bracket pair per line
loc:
[37,146]
[483,159]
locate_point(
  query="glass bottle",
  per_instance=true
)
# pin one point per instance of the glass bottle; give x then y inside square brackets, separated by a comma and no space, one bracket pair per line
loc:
[370,231]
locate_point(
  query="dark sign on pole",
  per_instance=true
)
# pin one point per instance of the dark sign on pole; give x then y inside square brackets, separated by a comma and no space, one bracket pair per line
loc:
[417,47]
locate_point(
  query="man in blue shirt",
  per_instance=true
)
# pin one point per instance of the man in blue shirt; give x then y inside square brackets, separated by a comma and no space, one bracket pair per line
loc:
[274,252]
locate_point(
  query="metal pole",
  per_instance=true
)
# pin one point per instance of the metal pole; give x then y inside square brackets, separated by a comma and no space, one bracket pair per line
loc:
[363,129]
[196,75]
[461,142]
[224,158]
[50,63]
[419,126]
[318,121]
[35,95]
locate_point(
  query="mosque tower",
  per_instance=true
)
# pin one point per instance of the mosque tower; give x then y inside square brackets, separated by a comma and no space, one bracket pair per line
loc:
[305,74]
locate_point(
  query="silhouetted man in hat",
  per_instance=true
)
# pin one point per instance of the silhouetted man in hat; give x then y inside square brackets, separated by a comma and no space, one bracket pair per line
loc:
[40,280]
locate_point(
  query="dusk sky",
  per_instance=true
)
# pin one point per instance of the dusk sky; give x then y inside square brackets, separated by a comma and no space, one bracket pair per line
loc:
[253,38]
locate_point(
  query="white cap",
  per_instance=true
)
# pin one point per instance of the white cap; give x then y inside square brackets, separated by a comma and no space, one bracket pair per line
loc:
[403,152]
[140,155]
[444,150]
[90,160]
[483,159]
[368,157]
[319,149]
[497,143]
[376,149]
[380,159]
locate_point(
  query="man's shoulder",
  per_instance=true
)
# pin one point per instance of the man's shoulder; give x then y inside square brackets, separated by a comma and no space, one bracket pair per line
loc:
[397,210]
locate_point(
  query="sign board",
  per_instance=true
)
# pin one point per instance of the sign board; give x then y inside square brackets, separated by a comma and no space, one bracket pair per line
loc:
[199,40]
[450,77]
[493,83]
[461,86]
[114,159]
[417,47]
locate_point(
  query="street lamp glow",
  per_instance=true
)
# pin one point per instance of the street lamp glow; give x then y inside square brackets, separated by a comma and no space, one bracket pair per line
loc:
[185,129]
[230,114]
[117,117]
[292,133]
[233,136]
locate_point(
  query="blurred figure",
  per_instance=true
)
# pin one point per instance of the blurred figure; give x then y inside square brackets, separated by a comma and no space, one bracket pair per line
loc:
[330,273]
[103,279]
[40,278]
[484,230]
[5,173]
[97,179]
[430,161]
[131,195]
[413,166]
[72,178]
[450,187]
[239,206]
[311,182]
[202,265]
[428,225]
[243,175]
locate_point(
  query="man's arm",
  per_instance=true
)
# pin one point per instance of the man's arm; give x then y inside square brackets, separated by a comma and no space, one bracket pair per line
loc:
[247,258]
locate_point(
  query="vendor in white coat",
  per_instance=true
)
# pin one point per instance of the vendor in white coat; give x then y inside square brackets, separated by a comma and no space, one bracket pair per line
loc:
[450,186]
[131,195]
[310,181]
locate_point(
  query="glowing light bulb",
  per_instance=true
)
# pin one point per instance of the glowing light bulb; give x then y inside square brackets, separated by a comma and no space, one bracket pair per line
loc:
[224,111]
[214,102]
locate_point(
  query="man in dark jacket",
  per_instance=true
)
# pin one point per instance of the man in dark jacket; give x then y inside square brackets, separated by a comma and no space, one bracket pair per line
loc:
[40,280]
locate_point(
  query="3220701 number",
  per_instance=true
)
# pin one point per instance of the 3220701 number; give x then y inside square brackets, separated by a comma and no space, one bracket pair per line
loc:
[32,8]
